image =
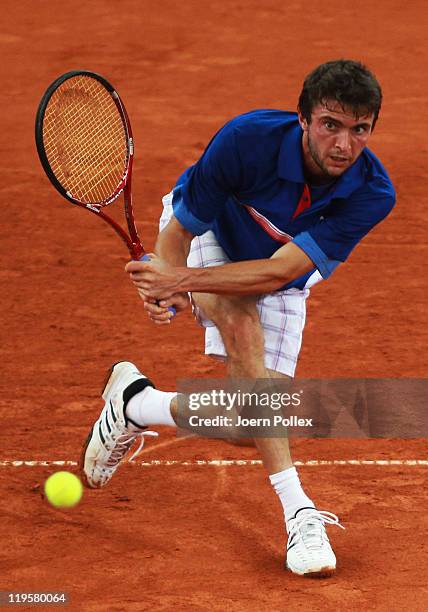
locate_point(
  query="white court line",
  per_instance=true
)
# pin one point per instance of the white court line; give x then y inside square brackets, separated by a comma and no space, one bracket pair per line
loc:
[227,462]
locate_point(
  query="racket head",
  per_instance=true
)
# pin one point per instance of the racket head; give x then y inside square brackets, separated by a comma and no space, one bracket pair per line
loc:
[84,139]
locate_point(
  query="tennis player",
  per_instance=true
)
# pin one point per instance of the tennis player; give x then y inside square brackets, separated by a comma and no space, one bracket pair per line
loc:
[275,204]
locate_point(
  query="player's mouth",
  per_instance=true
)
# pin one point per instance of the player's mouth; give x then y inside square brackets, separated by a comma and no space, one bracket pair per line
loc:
[339,161]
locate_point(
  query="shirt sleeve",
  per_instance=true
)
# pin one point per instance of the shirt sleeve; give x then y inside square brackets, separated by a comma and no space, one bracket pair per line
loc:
[331,240]
[201,193]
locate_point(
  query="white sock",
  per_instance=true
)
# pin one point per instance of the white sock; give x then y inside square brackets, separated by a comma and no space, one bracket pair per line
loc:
[289,490]
[151,407]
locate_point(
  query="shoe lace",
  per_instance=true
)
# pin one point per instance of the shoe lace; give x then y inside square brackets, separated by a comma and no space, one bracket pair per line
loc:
[124,443]
[309,526]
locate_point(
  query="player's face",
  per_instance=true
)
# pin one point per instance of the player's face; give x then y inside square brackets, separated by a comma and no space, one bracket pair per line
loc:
[333,140]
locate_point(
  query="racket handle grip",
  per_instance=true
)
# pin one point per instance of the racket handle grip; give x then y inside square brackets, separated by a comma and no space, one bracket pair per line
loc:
[170,308]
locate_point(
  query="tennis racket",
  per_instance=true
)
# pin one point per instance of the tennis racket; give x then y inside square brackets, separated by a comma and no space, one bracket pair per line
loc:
[84,141]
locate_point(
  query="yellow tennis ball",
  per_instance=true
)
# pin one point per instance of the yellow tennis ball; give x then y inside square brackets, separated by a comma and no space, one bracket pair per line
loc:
[63,489]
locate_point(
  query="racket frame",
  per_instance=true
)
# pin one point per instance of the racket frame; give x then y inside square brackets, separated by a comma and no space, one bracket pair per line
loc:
[132,240]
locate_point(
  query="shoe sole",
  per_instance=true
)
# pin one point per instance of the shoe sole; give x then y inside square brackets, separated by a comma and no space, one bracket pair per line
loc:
[106,388]
[83,477]
[323,572]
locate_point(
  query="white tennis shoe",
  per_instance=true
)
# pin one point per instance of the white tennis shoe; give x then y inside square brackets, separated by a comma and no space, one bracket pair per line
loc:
[113,434]
[309,552]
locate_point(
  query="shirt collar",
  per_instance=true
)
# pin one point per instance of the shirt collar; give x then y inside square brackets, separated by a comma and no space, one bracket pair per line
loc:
[290,160]
[290,165]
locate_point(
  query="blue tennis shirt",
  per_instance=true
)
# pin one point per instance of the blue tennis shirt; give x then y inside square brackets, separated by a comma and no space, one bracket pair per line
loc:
[249,188]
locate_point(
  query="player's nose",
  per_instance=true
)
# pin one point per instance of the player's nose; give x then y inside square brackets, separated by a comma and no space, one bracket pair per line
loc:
[343,141]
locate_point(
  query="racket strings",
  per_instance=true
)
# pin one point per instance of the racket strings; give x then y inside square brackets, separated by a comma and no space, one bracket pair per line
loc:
[83,169]
[86,146]
[89,150]
[85,140]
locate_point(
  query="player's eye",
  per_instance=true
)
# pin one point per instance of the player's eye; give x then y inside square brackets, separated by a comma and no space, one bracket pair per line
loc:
[329,124]
[360,129]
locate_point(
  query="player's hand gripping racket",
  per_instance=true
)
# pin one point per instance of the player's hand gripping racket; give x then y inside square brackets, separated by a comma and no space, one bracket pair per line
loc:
[85,145]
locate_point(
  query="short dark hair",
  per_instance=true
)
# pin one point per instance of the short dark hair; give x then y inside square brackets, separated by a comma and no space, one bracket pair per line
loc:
[348,82]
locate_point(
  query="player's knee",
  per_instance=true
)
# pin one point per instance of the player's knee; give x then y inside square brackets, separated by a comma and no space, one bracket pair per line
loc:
[240,329]
[237,319]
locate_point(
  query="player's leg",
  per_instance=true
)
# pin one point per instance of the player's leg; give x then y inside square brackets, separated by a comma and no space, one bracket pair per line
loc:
[308,547]
[238,320]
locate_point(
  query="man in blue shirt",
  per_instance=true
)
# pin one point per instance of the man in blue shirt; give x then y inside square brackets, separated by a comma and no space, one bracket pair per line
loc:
[276,202]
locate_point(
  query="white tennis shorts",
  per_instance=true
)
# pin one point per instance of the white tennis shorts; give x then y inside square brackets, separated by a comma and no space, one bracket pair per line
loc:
[282,314]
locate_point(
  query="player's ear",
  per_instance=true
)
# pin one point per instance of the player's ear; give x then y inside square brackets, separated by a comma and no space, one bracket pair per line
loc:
[303,122]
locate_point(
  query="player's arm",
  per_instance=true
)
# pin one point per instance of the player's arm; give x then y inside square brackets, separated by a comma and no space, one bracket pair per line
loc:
[172,246]
[158,279]
[173,243]
[250,277]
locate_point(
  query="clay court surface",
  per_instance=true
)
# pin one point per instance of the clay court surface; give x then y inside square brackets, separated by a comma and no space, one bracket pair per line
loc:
[188,536]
